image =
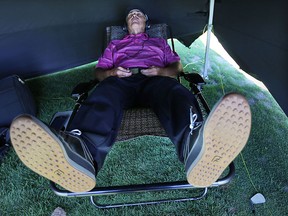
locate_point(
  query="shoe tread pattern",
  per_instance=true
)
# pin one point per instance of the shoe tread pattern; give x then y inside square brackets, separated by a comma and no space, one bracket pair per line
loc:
[225,134]
[40,152]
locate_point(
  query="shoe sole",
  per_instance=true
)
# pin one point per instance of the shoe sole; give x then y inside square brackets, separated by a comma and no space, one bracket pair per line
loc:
[225,133]
[41,151]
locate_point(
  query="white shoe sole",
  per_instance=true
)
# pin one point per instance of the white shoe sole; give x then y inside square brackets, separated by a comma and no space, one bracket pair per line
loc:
[41,151]
[225,133]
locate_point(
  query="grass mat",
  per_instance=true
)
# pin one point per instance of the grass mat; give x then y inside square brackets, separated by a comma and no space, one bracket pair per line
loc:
[261,167]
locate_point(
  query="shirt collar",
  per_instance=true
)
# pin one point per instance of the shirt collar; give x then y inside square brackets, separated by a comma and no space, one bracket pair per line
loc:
[143,36]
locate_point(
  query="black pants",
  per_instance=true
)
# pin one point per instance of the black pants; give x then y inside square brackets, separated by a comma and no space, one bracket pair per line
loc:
[99,118]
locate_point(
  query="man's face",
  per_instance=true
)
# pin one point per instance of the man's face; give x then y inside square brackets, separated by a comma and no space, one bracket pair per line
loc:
[136,21]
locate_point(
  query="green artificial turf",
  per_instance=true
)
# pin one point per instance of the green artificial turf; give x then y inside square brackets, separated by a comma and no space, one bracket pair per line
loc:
[261,167]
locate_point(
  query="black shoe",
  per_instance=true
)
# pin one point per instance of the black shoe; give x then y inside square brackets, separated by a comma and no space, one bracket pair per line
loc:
[219,140]
[62,158]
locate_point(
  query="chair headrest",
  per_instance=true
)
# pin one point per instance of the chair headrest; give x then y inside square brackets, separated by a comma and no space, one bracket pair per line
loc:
[155,30]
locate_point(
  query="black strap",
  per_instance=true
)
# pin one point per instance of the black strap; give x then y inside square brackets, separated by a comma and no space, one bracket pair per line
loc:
[4,141]
[172,39]
[4,136]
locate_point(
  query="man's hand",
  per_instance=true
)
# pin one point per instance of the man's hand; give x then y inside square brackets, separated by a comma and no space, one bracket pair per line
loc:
[120,72]
[171,70]
[153,71]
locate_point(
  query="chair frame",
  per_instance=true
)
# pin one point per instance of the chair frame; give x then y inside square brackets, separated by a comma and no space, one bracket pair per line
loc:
[141,188]
[196,83]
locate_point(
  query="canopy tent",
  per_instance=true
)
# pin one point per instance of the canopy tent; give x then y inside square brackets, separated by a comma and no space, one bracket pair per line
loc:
[40,37]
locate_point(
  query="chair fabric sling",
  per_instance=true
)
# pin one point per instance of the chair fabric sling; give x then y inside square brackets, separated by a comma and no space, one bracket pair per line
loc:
[137,122]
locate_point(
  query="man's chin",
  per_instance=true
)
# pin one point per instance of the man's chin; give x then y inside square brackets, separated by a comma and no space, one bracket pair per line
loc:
[135,22]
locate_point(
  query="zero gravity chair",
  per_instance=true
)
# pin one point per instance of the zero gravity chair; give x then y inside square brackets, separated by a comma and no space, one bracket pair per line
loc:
[137,122]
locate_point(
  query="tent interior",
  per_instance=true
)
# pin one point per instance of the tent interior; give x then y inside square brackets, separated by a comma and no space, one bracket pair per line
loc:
[41,37]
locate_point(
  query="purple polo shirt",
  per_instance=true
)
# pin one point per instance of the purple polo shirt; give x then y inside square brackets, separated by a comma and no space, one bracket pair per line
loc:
[137,51]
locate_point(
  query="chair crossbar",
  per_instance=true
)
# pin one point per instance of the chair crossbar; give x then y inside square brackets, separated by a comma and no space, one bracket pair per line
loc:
[153,202]
[140,188]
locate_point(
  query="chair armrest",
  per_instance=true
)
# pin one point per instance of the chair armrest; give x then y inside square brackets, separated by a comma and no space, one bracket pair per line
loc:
[83,88]
[196,83]
[193,78]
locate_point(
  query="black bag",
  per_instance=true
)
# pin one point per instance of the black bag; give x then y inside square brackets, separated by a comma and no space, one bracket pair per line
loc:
[15,99]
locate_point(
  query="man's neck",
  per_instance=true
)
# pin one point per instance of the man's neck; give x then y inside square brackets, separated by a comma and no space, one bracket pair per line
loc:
[136,30]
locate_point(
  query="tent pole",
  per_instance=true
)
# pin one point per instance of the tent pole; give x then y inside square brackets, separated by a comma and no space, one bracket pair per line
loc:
[209,29]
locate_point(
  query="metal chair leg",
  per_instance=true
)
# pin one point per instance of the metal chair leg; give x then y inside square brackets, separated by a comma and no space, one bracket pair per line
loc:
[153,202]
[129,189]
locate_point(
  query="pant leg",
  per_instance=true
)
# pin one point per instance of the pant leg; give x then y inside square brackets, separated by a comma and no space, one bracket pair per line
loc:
[171,102]
[100,116]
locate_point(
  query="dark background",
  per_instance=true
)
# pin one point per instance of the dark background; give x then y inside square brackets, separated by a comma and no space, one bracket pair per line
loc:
[40,37]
